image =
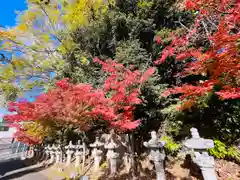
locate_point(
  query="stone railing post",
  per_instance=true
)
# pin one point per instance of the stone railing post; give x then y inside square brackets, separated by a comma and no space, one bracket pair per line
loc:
[70,152]
[156,155]
[112,156]
[97,153]
[201,156]
[78,153]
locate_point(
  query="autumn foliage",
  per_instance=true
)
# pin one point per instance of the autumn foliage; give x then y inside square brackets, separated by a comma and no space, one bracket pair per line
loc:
[81,104]
[218,21]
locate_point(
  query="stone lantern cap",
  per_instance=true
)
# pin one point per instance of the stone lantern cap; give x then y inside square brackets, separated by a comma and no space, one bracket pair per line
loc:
[198,143]
[78,145]
[154,142]
[57,148]
[97,143]
[111,145]
[54,147]
[49,147]
[70,146]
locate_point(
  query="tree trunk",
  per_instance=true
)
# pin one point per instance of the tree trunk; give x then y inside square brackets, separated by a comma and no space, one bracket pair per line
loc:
[133,157]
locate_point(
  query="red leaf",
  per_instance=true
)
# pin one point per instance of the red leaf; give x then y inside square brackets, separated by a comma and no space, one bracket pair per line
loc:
[158,40]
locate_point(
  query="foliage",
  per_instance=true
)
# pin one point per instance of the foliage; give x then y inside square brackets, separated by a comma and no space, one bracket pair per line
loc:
[171,146]
[234,153]
[218,62]
[104,165]
[205,83]
[41,39]
[81,104]
[64,37]
[67,35]
[221,151]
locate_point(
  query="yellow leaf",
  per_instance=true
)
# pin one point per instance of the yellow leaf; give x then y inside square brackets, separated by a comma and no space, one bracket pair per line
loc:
[84,60]
[22,27]
[45,37]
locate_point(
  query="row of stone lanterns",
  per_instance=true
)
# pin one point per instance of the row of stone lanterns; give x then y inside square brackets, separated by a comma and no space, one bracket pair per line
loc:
[197,144]
[111,155]
[54,154]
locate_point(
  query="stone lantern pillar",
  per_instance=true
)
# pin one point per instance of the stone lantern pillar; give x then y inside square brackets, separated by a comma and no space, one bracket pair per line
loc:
[36,152]
[201,156]
[70,152]
[31,152]
[84,150]
[47,152]
[52,154]
[157,154]
[112,155]
[97,153]
[58,154]
[78,153]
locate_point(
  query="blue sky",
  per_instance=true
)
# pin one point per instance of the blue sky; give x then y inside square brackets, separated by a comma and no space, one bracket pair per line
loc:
[7,13]
[8,19]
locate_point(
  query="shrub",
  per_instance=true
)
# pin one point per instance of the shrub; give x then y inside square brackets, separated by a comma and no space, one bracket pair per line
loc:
[221,151]
[171,146]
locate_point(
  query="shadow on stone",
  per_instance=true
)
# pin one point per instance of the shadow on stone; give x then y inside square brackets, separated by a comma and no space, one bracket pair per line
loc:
[194,169]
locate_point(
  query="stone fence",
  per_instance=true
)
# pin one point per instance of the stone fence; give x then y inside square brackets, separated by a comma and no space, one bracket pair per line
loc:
[108,151]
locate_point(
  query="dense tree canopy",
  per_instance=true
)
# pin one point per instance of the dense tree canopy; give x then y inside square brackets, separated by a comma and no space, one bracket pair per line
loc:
[81,104]
[219,62]
[194,46]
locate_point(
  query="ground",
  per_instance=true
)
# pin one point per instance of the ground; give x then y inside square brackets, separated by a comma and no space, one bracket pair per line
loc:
[18,170]
[177,170]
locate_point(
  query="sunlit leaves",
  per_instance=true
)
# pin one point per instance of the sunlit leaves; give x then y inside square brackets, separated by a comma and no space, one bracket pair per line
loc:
[66,46]
[219,63]
[7,71]
[81,104]
[43,34]
[80,13]
[5,35]
[10,90]
[144,3]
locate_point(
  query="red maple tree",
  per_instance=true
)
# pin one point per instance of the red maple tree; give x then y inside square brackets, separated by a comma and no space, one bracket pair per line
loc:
[80,104]
[220,63]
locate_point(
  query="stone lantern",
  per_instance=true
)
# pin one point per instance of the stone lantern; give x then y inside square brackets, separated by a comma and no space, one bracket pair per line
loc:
[157,154]
[201,157]
[97,153]
[58,154]
[78,153]
[112,155]
[70,152]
